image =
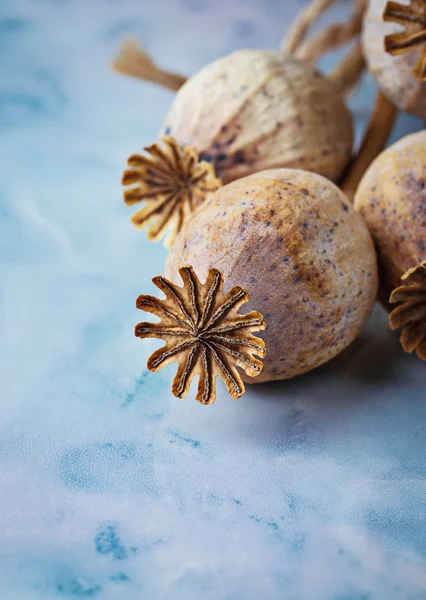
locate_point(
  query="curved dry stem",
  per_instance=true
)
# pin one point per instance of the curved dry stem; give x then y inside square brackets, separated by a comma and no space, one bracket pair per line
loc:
[376,135]
[303,22]
[347,74]
[334,36]
[134,61]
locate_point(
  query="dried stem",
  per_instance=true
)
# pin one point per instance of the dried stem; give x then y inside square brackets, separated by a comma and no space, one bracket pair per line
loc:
[375,138]
[307,17]
[133,60]
[346,74]
[334,36]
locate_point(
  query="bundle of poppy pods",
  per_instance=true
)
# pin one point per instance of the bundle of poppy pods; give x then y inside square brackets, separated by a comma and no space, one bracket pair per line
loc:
[254,185]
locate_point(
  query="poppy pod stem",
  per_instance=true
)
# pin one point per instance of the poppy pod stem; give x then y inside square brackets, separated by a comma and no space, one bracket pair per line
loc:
[304,21]
[348,72]
[133,60]
[375,137]
[334,36]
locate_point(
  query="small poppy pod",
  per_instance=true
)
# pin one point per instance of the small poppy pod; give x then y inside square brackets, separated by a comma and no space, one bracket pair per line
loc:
[294,242]
[394,43]
[391,198]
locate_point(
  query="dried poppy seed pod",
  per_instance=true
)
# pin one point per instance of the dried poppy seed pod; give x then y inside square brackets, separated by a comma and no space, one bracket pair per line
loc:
[259,109]
[251,110]
[294,241]
[391,198]
[394,42]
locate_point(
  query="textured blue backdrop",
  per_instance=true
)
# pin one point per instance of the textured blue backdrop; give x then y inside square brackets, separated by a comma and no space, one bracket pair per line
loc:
[109,486]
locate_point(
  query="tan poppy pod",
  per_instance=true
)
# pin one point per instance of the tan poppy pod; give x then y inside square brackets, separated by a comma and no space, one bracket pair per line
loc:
[293,241]
[249,111]
[394,42]
[259,109]
[391,198]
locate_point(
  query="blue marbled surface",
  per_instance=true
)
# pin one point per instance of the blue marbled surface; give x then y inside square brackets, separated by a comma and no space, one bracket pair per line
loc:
[110,487]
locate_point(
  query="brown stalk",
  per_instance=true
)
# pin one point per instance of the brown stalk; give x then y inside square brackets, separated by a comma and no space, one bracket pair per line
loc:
[304,21]
[348,72]
[334,36]
[376,135]
[134,61]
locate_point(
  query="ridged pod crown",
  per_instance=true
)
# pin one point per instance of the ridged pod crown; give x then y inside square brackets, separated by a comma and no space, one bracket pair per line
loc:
[391,198]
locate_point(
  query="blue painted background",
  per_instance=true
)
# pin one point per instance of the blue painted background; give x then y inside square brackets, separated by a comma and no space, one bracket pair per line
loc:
[110,487]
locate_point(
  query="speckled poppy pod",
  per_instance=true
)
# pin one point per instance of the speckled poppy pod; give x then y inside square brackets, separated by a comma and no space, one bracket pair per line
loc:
[258,109]
[391,198]
[204,334]
[293,239]
[252,110]
[394,42]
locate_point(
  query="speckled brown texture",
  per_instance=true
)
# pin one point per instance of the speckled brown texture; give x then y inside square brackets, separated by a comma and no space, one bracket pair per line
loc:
[293,240]
[394,74]
[259,109]
[391,198]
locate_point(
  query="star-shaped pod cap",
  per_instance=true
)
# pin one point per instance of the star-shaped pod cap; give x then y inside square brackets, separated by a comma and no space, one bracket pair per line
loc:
[410,315]
[172,182]
[204,333]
